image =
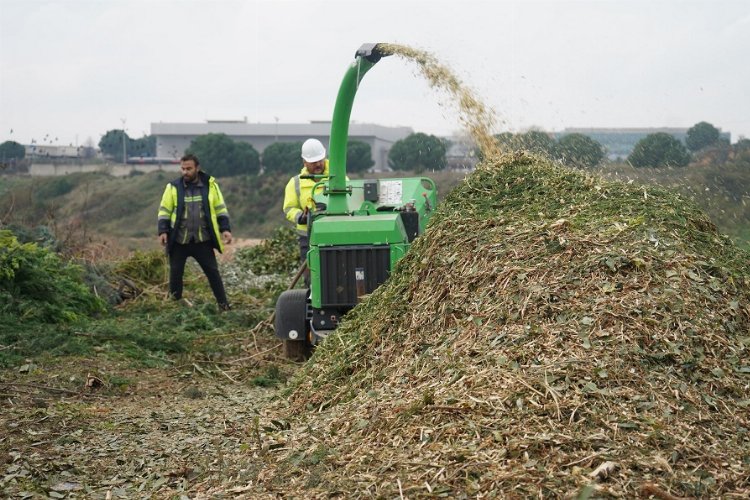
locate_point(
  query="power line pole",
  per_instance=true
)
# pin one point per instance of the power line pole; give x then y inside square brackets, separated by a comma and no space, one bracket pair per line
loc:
[124,147]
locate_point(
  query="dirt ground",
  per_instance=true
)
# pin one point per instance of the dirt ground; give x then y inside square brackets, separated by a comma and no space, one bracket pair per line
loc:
[98,428]
[94,428]
[237,244]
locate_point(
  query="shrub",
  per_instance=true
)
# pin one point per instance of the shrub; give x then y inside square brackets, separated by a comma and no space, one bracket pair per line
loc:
[659,150]
[36,285]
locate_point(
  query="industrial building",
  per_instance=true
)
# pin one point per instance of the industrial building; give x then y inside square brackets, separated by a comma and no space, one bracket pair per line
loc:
[172,139]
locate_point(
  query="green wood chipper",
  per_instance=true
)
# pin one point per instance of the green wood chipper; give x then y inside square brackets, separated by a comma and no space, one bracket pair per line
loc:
[359,231]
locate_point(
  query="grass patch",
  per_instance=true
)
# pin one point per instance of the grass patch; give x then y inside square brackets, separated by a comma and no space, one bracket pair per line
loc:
[50,308]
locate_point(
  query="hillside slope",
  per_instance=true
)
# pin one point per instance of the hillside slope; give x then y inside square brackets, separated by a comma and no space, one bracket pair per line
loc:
[126,207]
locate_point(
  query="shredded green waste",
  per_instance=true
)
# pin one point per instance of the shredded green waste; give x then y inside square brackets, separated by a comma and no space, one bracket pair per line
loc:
[547,323]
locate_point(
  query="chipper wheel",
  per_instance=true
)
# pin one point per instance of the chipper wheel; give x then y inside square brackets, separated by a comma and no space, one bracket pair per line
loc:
[291,321]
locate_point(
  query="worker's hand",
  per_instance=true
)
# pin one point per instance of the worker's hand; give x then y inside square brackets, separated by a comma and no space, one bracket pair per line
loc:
[227,237]
[163,238]
[302,219]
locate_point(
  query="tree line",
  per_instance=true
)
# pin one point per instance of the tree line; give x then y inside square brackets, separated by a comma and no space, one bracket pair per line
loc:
[419,152]
[656,150]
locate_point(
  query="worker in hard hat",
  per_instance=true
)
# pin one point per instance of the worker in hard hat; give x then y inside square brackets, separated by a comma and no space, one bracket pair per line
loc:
[298,201]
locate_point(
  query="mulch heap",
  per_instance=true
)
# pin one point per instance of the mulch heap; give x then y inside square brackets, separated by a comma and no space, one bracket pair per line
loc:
[551,335]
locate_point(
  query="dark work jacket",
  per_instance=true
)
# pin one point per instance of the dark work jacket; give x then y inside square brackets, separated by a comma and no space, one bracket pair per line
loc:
[214,210]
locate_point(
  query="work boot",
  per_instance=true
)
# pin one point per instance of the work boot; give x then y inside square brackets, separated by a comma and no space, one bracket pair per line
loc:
[224,307]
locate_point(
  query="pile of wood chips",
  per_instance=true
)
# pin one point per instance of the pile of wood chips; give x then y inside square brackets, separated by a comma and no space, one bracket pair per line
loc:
[551,335]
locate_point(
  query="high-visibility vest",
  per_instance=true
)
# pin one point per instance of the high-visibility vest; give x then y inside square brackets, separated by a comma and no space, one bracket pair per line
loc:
[173,203]
[298,195]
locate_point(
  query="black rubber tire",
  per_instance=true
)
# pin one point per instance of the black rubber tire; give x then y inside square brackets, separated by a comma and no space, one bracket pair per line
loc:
[291,315]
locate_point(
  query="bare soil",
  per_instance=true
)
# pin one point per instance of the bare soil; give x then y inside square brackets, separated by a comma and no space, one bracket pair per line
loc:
[237,244]
[94,428]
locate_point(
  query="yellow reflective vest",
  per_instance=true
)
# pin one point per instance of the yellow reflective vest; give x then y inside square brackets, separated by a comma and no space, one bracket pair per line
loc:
[298,196]
[173,203]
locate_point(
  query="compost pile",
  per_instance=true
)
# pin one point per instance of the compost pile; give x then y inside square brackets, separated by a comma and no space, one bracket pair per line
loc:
[551,334]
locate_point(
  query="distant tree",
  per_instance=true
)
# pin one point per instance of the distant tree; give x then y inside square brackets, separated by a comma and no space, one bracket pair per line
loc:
[578,150]
[659,150]
[111,144]
[145,146]
[535,141]
[358,156]
[417,152]
[222,157]
[701,135]
[11,150]
[282,158]
[741,155]
[743,145]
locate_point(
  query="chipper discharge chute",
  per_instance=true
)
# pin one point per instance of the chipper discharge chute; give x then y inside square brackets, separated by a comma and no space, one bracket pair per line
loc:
[359,231]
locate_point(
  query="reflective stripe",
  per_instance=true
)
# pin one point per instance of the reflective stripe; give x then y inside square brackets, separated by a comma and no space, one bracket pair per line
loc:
[297,189]
[220,207]
[289,210]
[164,217]
[165,209]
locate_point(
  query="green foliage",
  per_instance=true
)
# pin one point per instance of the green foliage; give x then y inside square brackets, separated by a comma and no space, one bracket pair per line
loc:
[41,235]
[277,255]
[11,150]
[45,309]
[418,152]
[578,150]
[145,146]
[659,150]
[36,285]
[111,144]
[147,331]
[143,268]
[221,156]
[701,135]
[282,158]
[54,187]
[358,157]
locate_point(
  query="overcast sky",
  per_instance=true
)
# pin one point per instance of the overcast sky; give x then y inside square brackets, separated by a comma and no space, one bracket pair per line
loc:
[73,69]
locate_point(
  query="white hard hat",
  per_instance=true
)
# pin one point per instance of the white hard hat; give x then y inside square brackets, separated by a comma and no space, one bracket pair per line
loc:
[313,150]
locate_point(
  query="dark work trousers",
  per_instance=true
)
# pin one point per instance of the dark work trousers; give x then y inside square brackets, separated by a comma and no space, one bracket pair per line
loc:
[203,253]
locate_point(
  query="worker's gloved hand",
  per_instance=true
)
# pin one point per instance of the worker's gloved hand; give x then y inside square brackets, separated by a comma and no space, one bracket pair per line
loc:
[302,218]
[320,206]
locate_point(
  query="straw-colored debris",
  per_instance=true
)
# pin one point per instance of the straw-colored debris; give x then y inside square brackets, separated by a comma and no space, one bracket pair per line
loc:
[473,114]
[551,334]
